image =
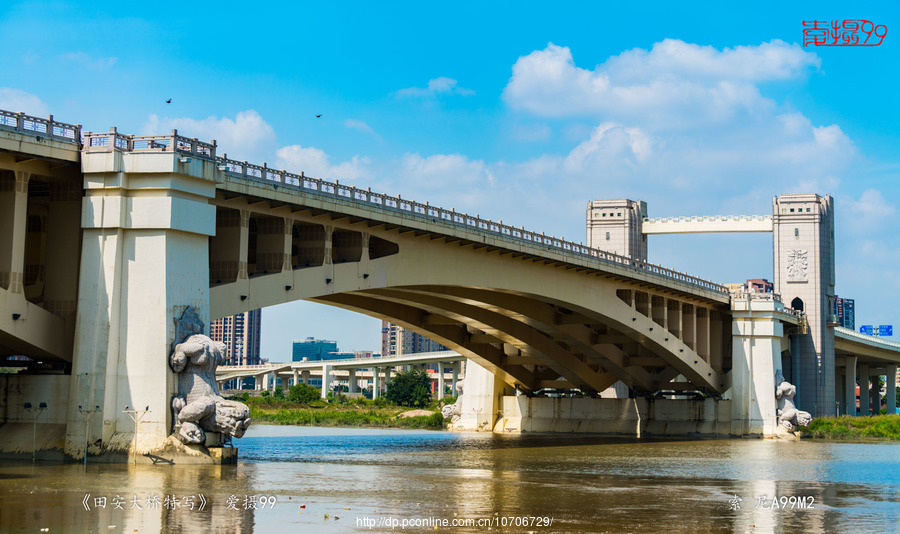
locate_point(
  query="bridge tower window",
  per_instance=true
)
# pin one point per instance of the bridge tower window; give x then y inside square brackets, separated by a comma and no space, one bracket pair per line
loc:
[797,304]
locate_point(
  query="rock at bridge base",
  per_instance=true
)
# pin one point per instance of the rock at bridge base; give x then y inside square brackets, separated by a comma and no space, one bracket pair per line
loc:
[174,452]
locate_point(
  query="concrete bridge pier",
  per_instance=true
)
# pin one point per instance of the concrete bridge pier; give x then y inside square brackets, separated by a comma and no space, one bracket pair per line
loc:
[440,381]
[296,378]
[376,385]
[144,259]
[864,390]
[352,387]
[454,378]
[757,335]
[891,385]
[848,404]
[326,380]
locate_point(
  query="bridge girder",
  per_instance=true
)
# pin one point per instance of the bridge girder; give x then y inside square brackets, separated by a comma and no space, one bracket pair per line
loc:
[568,318]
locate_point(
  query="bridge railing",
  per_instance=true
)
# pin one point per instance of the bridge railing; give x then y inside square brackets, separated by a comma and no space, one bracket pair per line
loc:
[750,295]
[377,201]
[49,127]
[189,146]
[709,218]
[370,199]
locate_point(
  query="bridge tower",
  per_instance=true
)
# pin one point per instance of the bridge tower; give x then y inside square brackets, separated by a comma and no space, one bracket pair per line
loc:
[615,226]
[803,237]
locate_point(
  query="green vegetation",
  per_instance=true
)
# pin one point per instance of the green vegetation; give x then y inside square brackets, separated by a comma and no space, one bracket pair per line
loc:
[874,427]
[303,393]
[303,406]
[409,388]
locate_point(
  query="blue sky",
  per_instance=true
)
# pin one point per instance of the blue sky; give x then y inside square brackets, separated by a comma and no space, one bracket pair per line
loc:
[515,111]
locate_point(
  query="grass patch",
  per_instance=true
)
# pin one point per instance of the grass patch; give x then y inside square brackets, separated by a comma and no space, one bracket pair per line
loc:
[845,427]
[320,413]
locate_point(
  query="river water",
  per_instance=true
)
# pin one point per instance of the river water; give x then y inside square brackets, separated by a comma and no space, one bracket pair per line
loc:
[307,479]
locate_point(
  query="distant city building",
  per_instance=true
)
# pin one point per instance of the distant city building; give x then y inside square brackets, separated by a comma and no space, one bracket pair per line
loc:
[759,285]
[396,340]
[314,349]
[752,285]
[240,334]
[844,309]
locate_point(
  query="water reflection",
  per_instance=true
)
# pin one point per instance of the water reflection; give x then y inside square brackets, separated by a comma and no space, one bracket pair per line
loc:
[344,477]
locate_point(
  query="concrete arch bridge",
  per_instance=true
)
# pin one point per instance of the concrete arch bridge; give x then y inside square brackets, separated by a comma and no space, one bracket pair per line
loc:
[164,222]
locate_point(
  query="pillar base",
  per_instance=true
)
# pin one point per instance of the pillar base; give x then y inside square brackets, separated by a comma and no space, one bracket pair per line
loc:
[50,440]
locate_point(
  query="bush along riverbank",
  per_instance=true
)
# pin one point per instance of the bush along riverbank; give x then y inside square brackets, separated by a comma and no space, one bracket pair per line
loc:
[302,405]
[866,428]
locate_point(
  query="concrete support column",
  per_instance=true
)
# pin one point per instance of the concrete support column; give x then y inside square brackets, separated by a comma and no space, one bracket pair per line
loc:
[147,224]
[756,357]
[440,384]
[14,221]
[454,378]
[891,385]
[849,406]
[296,377]
[266,382]
[305,376]
[375,383]
[352,378]
[863,390]
[481,399]
[326,380]
[876,396]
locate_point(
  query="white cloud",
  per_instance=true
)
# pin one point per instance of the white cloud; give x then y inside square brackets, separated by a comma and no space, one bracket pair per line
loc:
[674,85]
[247,136]
[315,162]
[361,126]
[775,60]
[871,207]
[436,86]
[91,63]
[17,100]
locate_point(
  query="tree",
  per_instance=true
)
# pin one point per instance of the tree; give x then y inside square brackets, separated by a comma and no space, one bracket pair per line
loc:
[409,388]
[304,393]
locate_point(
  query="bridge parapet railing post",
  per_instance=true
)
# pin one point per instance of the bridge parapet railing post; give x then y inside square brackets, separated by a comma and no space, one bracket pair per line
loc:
[20,122]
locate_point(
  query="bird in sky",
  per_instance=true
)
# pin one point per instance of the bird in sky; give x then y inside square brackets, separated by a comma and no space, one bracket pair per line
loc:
[319,116]
[169,101]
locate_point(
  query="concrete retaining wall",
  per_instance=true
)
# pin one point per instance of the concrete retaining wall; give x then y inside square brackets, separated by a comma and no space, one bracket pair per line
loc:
[628,417]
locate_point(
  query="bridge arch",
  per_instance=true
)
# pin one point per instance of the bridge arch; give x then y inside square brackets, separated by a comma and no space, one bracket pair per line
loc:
[534,322]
